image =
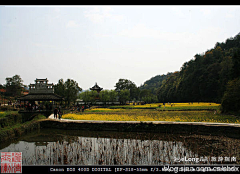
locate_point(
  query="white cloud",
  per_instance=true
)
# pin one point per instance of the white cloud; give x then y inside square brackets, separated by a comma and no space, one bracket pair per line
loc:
[72,24]
[99,14]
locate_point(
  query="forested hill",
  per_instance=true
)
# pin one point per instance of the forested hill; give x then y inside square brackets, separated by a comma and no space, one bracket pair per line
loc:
[154,83]
[206,76]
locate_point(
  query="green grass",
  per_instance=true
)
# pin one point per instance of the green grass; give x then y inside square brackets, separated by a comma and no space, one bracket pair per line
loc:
[190,108]
[13,125]
[131,107]
[5,113]
[172,106]
[17,129]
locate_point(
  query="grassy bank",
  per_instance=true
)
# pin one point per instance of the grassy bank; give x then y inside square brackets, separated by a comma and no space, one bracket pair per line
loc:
[12,125]
[5,113]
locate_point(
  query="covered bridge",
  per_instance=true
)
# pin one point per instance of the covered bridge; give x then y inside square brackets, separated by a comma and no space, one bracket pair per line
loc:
[40,93]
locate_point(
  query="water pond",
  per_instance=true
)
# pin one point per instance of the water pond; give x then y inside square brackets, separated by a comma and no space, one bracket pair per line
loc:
[70,147]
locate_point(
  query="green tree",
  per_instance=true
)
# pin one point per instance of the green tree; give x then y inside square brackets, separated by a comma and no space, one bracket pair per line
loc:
[69,90]
[14,86]
[203,78]
[167,92]
[124,96]
[93,95]
[104,96]
[123,84]
[59,88]
[235,71]
[231,98]
[85,96]
[154,83]
[144,93]
[112,95]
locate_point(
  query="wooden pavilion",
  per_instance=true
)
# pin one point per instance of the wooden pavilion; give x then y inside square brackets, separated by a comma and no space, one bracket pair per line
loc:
[41,91]
[96,88]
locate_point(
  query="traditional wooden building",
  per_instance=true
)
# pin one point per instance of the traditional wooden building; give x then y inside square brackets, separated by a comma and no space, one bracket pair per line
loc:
[40,91]
[98,89]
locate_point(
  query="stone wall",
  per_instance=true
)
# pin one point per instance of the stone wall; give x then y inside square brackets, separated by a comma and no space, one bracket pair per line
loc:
[170,128]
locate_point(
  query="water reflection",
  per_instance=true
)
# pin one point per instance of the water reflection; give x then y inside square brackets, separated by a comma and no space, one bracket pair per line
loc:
[58,147]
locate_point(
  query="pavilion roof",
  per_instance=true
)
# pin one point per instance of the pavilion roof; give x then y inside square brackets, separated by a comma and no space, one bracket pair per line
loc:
[38,80]
[41,97]
[96,87]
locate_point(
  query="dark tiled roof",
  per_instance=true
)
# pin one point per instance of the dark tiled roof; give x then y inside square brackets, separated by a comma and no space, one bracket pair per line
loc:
[40,97]
[96,87]
[41,79]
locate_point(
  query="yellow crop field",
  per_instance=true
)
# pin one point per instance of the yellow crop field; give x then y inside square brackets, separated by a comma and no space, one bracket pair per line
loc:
[172,106]
[178,104]
[103,110]
[154,115]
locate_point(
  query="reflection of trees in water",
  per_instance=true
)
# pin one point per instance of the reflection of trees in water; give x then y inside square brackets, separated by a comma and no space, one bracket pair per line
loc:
[49,148]
[108,151]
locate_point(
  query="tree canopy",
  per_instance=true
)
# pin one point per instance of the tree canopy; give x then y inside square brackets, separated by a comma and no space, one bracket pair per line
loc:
[205,77]
[68,89]
[125,84]
[14,86]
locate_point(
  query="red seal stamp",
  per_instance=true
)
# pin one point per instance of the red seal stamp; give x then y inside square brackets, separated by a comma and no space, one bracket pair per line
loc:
[11,162]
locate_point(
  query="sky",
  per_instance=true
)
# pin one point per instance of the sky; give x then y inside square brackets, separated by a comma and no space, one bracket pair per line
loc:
[102,44]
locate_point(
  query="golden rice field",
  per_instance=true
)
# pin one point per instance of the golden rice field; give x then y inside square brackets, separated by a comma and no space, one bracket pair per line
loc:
[172,106]
[191,104]
[104,110]
[107,114]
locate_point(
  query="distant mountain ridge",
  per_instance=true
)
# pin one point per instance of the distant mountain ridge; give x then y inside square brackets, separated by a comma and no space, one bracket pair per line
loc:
[203,78]
[155,82]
